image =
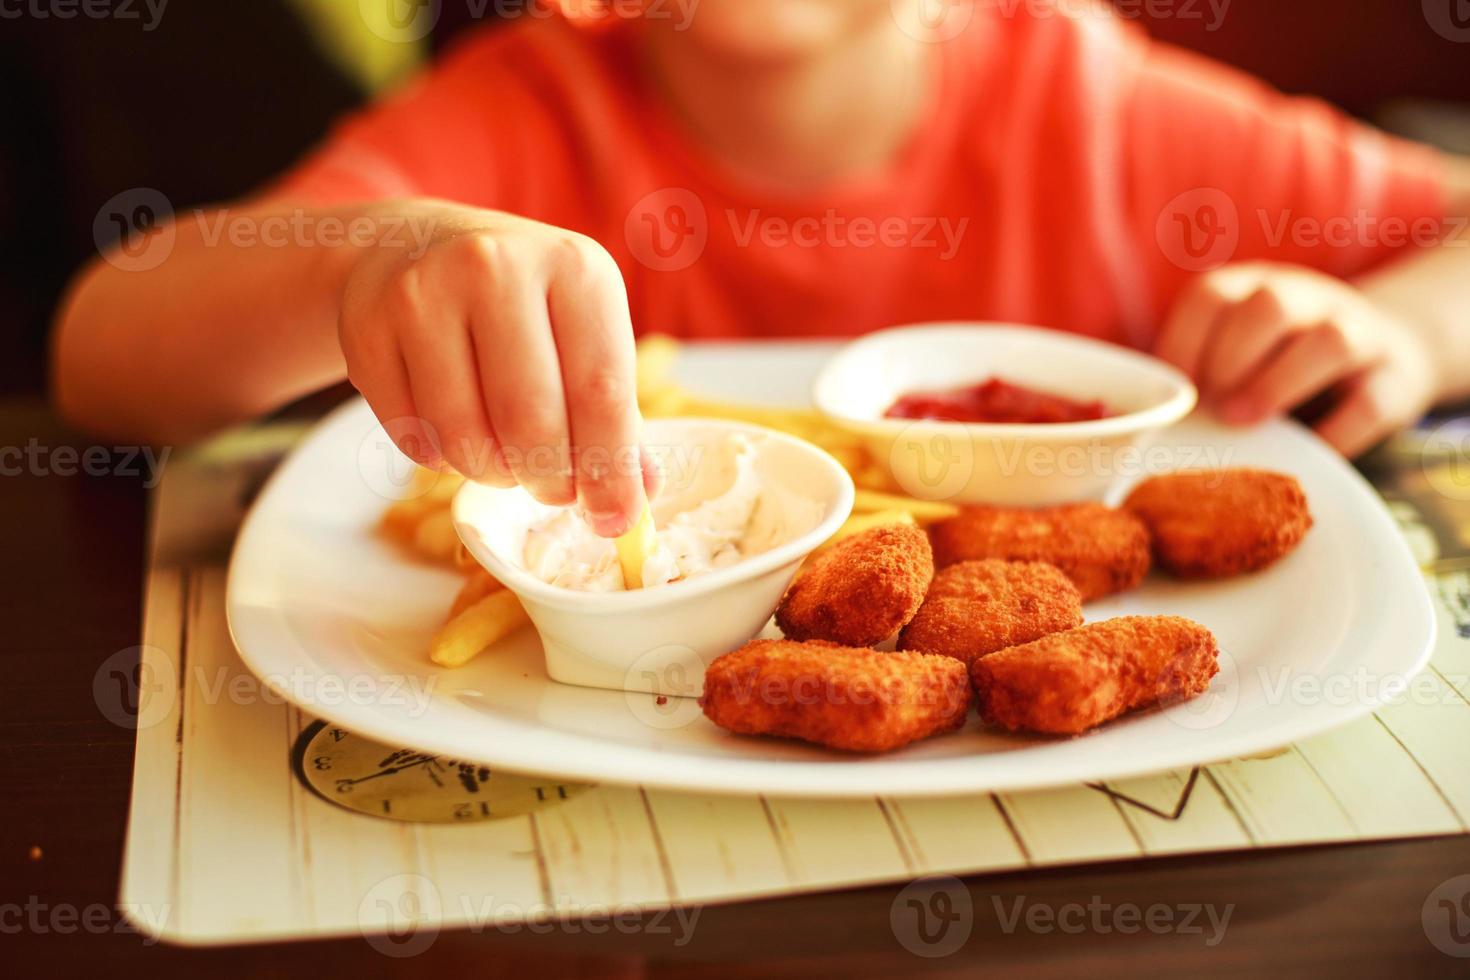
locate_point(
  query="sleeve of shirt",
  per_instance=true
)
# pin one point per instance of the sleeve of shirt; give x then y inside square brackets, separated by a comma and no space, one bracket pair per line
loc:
[1219,168]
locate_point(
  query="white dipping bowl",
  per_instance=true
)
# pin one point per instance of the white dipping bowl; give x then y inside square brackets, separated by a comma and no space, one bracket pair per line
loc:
[659,639]
[1004,464]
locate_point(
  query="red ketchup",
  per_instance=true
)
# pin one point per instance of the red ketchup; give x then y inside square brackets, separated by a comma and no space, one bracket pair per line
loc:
[994,401]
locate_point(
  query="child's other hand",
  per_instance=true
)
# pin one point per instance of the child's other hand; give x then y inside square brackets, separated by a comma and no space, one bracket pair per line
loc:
[1260,339]
[504,349]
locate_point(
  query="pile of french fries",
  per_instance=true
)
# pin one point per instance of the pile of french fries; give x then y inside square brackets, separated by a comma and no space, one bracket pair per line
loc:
[485,611]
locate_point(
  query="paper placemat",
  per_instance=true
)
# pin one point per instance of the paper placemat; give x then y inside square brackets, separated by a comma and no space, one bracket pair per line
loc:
[231,837]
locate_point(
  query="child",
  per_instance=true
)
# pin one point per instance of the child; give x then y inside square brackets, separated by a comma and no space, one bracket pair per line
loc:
[752,168]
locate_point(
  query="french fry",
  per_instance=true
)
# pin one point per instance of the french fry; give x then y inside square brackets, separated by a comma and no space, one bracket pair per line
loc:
[846,447]
[440,487]
[874,477]
[802,422]
[635,547]
[421,482]
[851,459]
[435,538]
[489,619]
[667,403]
[862,522]
[428,492]
[463,560]
[922,511]
[432,485]
[655,360]
[477,586]
[401,520]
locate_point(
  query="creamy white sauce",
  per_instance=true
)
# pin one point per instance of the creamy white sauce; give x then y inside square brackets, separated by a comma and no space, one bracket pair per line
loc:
[720,515]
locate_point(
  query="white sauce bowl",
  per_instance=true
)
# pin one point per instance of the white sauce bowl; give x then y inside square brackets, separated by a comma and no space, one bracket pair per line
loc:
[1026,465]
[660,639]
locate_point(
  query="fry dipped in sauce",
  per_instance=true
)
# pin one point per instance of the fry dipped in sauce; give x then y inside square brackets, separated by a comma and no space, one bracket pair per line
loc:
[635,547]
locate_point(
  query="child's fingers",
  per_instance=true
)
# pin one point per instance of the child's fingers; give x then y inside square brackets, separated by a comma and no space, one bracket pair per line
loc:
[1245,335]
[1363,416]
[1186,332]
[1182,338]
[1307,364]
[445,384]
[377,371]
[594,338]
[1192,327]
[522,386]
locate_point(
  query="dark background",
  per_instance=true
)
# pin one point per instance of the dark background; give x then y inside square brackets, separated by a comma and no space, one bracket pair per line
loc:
[222,95]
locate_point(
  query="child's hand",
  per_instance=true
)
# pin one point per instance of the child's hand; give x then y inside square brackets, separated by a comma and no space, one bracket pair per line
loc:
[504,349]
[1260,339]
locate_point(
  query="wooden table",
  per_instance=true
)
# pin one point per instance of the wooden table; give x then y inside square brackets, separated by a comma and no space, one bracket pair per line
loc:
[73,554]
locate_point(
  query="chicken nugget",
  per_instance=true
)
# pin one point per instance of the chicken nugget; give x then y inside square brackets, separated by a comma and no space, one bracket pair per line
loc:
[978,607]
[859,700]
[1066,683]
[861,590]
[1214,523]
[1100,549]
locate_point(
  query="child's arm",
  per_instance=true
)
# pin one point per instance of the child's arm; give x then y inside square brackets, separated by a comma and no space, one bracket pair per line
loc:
[1262,338]
[214,334]
[500,345]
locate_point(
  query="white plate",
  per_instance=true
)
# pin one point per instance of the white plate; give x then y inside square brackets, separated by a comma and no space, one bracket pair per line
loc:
[337,620]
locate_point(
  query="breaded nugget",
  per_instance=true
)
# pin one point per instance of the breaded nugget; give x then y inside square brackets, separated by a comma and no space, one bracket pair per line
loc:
[1214,523]
[861,590]
[1066,683]
[978,607]
[859,700]
[1100,549]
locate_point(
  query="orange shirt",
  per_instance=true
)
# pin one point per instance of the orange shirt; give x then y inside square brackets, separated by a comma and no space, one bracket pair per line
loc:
[1069,173]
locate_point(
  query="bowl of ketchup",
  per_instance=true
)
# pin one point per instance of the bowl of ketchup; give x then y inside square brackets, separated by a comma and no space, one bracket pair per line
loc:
[995,401]
[1001,414]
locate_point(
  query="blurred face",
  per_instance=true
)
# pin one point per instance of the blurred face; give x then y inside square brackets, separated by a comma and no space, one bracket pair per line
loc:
[767,30]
